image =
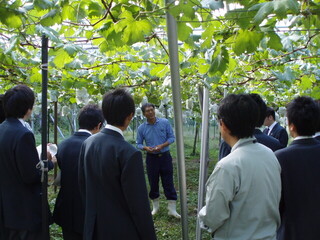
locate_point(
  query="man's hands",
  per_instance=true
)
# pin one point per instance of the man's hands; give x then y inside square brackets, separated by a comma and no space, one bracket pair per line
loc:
[148,149]
[153,149]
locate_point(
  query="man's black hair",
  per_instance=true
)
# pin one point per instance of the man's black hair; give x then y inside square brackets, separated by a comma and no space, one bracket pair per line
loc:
[270,112]
[144,106]
[239,114]
[117,105]
[304,114]
[262,108]
[2,115]
[17,101]
[90,116]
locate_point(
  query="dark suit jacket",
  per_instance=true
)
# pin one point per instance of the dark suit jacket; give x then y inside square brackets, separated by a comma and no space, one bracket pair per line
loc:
[20,183]
[279,133]
[112,182]
[266,140]
[69,209]
[224,149]
[299,206]
[262,138]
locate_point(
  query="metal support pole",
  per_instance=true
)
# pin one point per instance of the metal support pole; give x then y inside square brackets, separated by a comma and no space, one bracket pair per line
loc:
[55,137]
[165,111]
[44,68]
[61,133]
[204,154]
[175,83]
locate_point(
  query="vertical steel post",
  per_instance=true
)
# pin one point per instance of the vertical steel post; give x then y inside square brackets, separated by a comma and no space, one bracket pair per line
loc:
[203,156]
[55,137]
[44,68]
[175,83]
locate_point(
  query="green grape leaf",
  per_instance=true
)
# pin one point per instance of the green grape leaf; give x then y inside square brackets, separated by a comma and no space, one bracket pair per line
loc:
[62,58]
[220,60]
[274,41]
[184,31]
[247,41]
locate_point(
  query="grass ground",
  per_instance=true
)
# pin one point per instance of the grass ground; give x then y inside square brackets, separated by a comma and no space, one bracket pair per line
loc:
[168,227]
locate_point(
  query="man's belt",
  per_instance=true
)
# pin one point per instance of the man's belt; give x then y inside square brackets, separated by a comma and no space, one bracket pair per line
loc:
[158,154]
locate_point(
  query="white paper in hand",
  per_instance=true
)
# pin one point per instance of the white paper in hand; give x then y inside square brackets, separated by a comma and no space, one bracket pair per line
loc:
[52,148]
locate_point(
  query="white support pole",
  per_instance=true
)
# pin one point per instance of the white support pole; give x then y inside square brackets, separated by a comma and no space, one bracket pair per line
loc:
[203,156]
[175,83]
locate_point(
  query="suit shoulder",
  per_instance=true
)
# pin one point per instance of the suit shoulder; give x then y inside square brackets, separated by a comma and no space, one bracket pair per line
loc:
[284,152]
[130,147]
[72,140]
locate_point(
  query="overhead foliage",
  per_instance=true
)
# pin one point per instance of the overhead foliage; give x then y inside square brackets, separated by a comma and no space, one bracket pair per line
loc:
[268,47]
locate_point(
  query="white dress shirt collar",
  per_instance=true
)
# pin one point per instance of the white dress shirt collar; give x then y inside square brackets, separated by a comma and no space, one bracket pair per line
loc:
[271,127]
[302,137]
[84,130]
[108,126]
[25,124]
[317,134]
[22,121]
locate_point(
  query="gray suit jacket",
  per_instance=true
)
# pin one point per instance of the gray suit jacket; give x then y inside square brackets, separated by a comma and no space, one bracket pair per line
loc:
[112,184]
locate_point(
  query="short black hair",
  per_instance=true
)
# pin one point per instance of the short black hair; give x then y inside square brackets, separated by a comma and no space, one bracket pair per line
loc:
[17,101]
[90,116]
[262,108]
[270,112]
[303,112]
[144,106]
[239,114]
[2,115]
[117,105]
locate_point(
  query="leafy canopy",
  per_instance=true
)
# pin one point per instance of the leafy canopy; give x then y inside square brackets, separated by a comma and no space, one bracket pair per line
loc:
[268,47]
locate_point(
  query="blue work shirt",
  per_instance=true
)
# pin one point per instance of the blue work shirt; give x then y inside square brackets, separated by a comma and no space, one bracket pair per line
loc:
[155,134]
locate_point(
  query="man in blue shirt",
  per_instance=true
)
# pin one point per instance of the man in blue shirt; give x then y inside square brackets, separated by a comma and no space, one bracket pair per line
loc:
[158,135]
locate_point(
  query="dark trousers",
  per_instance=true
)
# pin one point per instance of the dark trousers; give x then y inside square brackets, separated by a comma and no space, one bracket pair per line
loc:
[160,165]
[71,235]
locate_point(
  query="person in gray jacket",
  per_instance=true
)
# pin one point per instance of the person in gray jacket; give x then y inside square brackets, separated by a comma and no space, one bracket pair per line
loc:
[244,190]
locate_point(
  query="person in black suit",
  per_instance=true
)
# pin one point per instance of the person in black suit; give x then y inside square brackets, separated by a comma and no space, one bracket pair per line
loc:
[317,134]
[112,180]
[69,210]
[268,141]
[2,116]
[20,180]
[299,206]
[274,129]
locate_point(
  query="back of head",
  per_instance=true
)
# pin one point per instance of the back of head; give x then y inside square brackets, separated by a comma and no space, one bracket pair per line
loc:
[270,112]
[239,114]
[2,115]
[262,108]
[17,101]
[117,105]
[304,114]
[90,116]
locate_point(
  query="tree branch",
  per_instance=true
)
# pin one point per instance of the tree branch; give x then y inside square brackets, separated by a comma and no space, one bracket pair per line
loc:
[286,54]
[121,61]
[108,12]
[154,35]
[138,84]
